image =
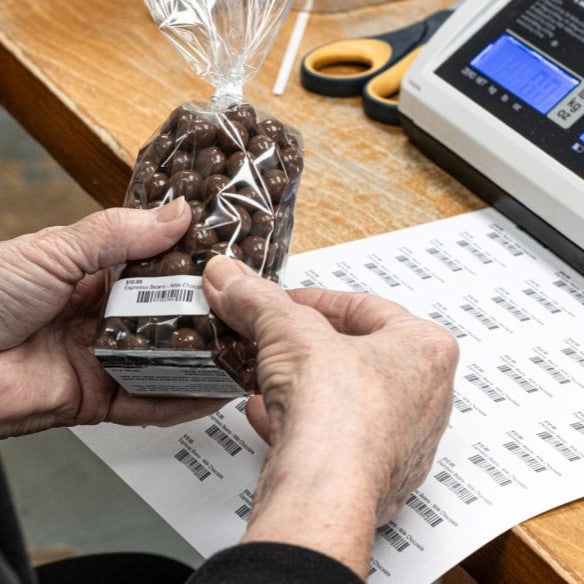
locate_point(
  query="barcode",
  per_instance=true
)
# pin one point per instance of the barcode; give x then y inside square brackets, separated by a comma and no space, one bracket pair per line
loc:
[393,538]
[501,479]
[505,243]
[511,308]
[309,284]
[517,378]
[549,368]
[564,450]
[349,281]
[244,512]
[485,387]
[191,463]
[576,355]
[578,426]
[371,571]
[523,455]
[572,290]
[379,271]
[176,295]
[445,259]
[447,324]
[542,300]
[455,487]
[484,320]
[428,515]
[241,405]
[412,265]
[475,251]
[461,406]
[228,444]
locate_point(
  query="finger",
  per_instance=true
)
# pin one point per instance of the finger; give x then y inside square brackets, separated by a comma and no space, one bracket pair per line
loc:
[349,312]
[253,306]
[129,410]
[258,417]
[107,238]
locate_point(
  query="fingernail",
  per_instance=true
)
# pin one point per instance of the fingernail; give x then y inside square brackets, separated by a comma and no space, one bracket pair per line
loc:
[171,211]
[221,270]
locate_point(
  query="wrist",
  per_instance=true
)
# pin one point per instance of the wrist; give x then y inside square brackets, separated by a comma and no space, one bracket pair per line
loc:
[324,503]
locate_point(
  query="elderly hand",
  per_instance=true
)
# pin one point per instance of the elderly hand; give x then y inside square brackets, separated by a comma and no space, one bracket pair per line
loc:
[51,287]
[358,392]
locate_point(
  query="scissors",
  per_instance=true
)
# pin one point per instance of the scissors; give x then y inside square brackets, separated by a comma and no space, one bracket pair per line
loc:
[387,57]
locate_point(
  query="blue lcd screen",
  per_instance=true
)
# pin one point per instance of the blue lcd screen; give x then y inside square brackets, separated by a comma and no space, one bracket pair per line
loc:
[524,73]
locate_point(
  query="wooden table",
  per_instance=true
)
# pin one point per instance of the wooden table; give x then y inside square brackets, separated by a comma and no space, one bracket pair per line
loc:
[92,80]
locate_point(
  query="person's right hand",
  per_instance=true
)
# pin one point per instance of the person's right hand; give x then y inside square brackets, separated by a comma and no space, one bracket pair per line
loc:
[358,392]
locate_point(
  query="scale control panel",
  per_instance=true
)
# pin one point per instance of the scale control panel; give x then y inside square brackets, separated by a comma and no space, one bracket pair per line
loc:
[526,67]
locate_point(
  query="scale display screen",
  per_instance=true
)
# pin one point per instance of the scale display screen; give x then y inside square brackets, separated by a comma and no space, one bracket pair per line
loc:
[524,73]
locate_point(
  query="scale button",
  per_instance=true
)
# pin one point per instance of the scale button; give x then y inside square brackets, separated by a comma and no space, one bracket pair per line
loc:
[578,147]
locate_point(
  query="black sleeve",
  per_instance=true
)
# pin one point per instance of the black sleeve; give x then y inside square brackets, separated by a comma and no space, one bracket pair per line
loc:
[272,563]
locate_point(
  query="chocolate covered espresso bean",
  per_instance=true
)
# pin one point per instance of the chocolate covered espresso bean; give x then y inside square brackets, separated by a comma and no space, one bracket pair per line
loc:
[210,161]
[176,263]
[187,184]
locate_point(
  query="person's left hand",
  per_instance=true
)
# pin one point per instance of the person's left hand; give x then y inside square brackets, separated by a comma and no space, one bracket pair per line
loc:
[51,287]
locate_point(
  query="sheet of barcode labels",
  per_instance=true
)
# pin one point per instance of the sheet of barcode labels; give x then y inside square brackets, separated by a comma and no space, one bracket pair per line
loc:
[515,444]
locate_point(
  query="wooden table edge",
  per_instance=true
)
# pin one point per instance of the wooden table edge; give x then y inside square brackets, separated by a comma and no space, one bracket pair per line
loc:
[72,138]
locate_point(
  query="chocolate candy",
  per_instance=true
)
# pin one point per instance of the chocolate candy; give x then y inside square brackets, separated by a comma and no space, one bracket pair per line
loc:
[156,328]
[274,129]
[276,181]
[231,250]
[133,343]
[244,114]
[144,170]
[163,146]
[252,199]
[210,161]
[196,134]
[214,185]
[265,152]
[186,339]
[204,326]
[141,269]
[198,211]
[177,263]
[106,341]
[180,160]
[232,136]
[156,186]
[236,162]
[234,224]
[187,184]
[293,162]
[254,250]
[199,239]
[262,223]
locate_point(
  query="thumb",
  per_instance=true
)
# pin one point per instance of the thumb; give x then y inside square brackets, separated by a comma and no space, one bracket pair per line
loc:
[256,308]
[110,237]
[257,416]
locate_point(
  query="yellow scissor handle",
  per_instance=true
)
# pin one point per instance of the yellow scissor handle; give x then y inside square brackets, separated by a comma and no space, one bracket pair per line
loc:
[371,52]
[385,86]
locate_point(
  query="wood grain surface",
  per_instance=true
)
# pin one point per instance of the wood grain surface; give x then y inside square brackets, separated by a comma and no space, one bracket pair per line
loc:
[93,80]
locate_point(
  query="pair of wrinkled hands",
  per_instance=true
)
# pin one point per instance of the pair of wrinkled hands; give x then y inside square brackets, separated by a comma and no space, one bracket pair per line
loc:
[352,385]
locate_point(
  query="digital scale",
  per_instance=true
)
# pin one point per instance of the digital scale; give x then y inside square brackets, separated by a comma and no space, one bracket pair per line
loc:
[497,99]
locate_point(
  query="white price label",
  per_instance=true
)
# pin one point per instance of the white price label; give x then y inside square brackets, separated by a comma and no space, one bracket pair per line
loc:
[176,295]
